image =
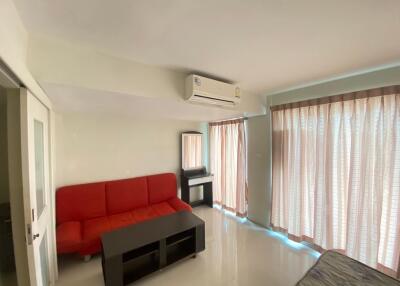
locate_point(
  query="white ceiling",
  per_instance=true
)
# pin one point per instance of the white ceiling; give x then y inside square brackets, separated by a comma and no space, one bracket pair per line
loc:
[263,45]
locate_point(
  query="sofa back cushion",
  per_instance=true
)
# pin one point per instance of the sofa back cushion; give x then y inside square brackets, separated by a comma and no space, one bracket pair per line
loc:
[162,187]
[126,195]
[80,202]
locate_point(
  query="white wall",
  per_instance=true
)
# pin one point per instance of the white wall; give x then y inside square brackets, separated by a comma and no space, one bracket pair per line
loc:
[99,71]
[56,62]
[14,38]
[258,169]
[95,147]
[14,47]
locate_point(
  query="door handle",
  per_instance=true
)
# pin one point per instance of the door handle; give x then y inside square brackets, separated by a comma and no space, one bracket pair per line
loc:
[35,236]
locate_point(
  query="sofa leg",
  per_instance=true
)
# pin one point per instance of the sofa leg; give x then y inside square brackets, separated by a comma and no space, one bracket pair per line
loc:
[86,258]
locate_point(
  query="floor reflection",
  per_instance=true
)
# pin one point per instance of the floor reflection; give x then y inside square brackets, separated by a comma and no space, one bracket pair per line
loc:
[238,252]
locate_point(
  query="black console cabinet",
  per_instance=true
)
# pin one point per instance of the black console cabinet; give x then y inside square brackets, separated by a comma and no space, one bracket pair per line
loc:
[194,178]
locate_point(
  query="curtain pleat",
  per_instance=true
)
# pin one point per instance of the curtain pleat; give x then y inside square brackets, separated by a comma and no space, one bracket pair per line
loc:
[336,177]
[228,164]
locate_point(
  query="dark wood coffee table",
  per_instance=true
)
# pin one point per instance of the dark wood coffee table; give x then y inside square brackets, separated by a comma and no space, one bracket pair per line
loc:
[138,250]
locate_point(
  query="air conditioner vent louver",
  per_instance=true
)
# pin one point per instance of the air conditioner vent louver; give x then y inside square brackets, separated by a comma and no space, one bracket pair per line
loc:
[215,99]
[208,91]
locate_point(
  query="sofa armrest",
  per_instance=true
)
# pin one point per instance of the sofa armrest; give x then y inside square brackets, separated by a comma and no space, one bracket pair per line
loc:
[179,205]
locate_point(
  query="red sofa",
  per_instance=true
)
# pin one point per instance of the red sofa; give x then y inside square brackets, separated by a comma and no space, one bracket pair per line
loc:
[84,212]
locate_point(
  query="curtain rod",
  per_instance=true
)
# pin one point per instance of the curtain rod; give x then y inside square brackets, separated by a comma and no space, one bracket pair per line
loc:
[227,121]
[235,118]
[380,91]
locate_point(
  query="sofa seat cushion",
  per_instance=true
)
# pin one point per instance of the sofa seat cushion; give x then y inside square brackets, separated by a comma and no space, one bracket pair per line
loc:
[179,205]
[163,209]
[92,231]
[94,228]
[121,220]
[69,237]
[143,214]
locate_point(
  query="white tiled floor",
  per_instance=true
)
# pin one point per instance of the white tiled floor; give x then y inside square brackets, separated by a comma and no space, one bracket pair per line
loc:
[237,253]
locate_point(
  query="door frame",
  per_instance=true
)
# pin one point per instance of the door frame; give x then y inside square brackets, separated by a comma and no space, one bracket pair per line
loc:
[52,251]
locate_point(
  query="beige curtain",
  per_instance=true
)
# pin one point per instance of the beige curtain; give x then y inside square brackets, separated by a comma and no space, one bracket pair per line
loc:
[228,164]
[336,175]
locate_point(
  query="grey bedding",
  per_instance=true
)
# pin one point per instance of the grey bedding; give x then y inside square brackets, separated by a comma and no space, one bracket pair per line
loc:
[333,269]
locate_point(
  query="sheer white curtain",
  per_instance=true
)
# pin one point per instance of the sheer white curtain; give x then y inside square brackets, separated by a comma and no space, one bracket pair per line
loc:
[228,164]
[336,176]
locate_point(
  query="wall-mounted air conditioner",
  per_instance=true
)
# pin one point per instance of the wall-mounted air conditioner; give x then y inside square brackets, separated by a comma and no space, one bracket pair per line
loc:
[208,91]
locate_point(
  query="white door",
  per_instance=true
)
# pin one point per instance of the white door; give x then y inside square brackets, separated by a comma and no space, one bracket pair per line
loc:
[36,184]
